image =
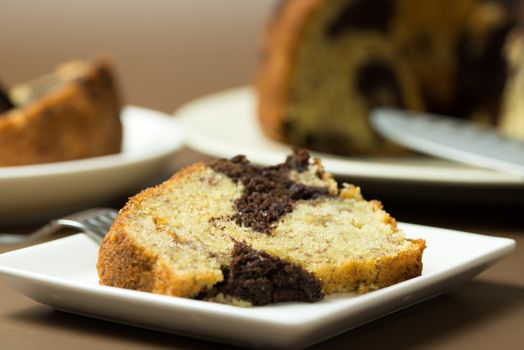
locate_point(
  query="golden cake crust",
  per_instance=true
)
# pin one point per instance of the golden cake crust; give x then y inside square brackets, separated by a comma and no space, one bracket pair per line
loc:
[123,263]
[78,119]
[278,49]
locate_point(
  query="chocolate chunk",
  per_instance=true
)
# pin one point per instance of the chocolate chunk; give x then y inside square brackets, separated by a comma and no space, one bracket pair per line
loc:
[379,84]
[5,101]
[261,278]
[299,160]
[375,15]
[481,73]
[236,168]
[423,43]
[268,192]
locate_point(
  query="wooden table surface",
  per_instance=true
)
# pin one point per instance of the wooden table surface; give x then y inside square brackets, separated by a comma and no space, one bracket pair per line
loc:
[169,52]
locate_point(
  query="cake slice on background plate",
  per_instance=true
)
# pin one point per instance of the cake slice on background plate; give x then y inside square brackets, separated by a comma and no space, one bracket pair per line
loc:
[69,114]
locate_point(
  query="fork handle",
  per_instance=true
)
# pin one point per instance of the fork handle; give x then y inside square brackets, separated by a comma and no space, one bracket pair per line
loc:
[42,232]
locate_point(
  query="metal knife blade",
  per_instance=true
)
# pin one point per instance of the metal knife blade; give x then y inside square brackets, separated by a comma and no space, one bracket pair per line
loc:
[450,138]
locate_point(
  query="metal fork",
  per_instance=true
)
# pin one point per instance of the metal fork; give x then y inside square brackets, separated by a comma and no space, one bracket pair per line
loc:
[93,222]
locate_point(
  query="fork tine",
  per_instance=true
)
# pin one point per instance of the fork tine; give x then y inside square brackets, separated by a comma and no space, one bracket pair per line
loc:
[94,222]
[107,219]
[97,225]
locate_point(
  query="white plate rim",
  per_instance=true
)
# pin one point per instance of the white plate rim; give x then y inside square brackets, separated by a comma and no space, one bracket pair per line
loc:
[267,152]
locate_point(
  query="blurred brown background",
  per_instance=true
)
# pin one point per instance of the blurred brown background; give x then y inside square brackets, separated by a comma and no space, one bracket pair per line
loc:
[166,52]
[169,52]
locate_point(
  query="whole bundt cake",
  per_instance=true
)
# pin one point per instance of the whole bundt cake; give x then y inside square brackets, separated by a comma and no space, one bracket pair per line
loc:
[327,63]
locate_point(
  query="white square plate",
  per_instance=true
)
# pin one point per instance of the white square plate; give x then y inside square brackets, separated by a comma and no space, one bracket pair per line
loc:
[62,273]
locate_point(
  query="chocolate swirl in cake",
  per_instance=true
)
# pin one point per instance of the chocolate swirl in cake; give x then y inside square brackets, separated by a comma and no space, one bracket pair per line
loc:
[5,101]
[377,82]
[363,15]
[268,193]
[261,278]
